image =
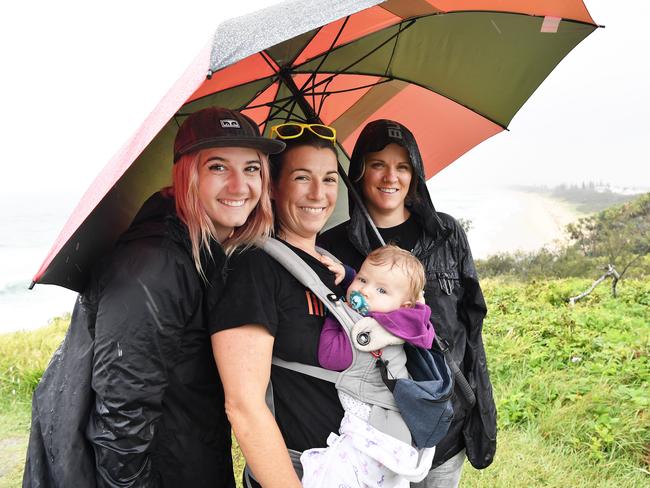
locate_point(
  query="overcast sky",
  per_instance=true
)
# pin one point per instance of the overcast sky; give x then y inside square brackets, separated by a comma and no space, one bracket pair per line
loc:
[79,77]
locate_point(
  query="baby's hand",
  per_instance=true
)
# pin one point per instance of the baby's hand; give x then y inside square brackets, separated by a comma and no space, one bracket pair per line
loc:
[334,267]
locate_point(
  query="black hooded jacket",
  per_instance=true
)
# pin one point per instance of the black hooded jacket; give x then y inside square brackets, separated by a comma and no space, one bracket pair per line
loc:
[452,290]
[132,397]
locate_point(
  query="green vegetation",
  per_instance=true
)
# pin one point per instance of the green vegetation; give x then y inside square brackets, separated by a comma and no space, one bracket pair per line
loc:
[586,197]
[571,385]
[619,236]
[23,358]
[572,381]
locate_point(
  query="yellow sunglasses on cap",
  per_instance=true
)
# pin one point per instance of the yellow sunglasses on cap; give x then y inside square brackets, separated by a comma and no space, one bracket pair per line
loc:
[292,130]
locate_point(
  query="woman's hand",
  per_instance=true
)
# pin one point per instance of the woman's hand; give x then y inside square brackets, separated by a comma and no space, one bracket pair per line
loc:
[334,267]
[243,356]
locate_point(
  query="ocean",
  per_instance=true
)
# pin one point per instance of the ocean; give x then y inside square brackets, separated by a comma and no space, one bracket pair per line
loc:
[502,219]
[28,227]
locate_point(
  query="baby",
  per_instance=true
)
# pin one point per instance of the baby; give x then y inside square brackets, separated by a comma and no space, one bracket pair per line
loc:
[389,289]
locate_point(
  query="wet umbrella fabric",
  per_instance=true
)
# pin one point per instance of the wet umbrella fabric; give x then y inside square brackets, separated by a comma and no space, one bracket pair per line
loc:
[454,72]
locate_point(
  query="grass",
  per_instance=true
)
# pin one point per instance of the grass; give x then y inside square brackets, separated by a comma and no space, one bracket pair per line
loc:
[579,374]
[525,458]
[571,385]
[23,358]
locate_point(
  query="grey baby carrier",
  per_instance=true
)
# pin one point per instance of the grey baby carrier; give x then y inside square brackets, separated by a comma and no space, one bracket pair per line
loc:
[411,397]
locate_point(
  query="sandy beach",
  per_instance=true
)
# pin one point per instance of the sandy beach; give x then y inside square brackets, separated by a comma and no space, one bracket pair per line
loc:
[506,220]
[532,221]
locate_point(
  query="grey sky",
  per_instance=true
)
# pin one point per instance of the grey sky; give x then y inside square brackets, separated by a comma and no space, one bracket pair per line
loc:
[83,77]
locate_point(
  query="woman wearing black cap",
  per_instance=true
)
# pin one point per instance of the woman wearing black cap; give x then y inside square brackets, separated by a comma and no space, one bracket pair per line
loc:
[387,171]
[156,407]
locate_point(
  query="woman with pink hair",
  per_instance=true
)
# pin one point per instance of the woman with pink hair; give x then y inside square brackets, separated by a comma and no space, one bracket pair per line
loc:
[155,405]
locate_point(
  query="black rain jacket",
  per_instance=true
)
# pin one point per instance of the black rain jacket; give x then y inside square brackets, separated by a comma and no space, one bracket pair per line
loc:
[452,290]
[132,397]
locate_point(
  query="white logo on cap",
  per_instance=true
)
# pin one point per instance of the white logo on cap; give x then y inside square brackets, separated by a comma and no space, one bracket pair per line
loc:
[229,124]
[394,130]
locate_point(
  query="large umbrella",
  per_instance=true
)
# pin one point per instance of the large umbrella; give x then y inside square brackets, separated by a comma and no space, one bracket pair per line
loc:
[454,72]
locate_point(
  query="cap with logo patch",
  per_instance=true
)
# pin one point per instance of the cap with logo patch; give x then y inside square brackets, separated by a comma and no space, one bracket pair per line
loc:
[221,127]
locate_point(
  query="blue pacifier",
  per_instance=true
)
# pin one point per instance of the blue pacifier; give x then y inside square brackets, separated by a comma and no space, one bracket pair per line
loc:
[358,302]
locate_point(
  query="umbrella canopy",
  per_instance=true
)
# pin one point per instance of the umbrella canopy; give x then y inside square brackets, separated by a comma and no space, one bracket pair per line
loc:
[454,72]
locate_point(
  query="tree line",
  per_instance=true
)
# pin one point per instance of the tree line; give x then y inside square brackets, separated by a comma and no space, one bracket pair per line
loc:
[616,238]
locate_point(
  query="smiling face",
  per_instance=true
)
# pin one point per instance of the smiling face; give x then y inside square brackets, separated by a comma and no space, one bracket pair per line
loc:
[305,193]
[229,186]
[385,185]
[384,286]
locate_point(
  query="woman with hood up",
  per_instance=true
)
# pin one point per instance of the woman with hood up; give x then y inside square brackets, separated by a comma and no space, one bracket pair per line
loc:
[387,170]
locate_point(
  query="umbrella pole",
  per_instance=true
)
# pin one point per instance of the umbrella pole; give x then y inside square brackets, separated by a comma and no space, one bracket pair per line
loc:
[313,118]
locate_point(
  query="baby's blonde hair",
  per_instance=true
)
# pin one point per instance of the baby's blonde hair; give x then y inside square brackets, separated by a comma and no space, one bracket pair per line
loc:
[406,262]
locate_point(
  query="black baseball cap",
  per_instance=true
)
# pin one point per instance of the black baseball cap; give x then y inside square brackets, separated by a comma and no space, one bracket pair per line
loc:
[221,127]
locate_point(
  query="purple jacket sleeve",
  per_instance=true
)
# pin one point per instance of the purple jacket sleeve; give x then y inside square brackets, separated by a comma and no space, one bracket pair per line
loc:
[334,348]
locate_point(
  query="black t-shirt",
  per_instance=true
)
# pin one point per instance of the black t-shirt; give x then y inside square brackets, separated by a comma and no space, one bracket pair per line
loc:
[336,241]
[404,235]
[260,291]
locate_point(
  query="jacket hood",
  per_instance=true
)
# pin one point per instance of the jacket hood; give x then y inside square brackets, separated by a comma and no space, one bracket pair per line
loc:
[374,137]
[158,218]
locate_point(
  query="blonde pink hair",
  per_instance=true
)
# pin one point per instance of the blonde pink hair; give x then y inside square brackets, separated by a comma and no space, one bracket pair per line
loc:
[185,190]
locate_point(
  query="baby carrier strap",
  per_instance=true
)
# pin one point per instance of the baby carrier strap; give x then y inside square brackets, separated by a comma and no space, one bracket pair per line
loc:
[308,277]
[309,370]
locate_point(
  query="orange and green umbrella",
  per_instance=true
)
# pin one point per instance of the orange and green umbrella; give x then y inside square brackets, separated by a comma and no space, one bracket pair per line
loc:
[454,72]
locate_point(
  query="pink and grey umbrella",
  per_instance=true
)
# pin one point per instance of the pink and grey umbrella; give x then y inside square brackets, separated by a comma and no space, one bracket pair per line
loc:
[454,72]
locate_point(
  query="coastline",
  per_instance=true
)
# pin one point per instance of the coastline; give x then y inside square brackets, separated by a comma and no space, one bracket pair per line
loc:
[503,220]
[513,220]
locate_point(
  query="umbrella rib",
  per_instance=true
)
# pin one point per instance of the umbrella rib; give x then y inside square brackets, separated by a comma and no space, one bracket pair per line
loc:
[411,82]
[323,96]
[281,103]
[292,60]
[283,108]
[278,110]
[499,12]
[384,79]
[369,53]
[325,93]
[290,112]
[312,77]
[392,54]
[257,94]
[266,57]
